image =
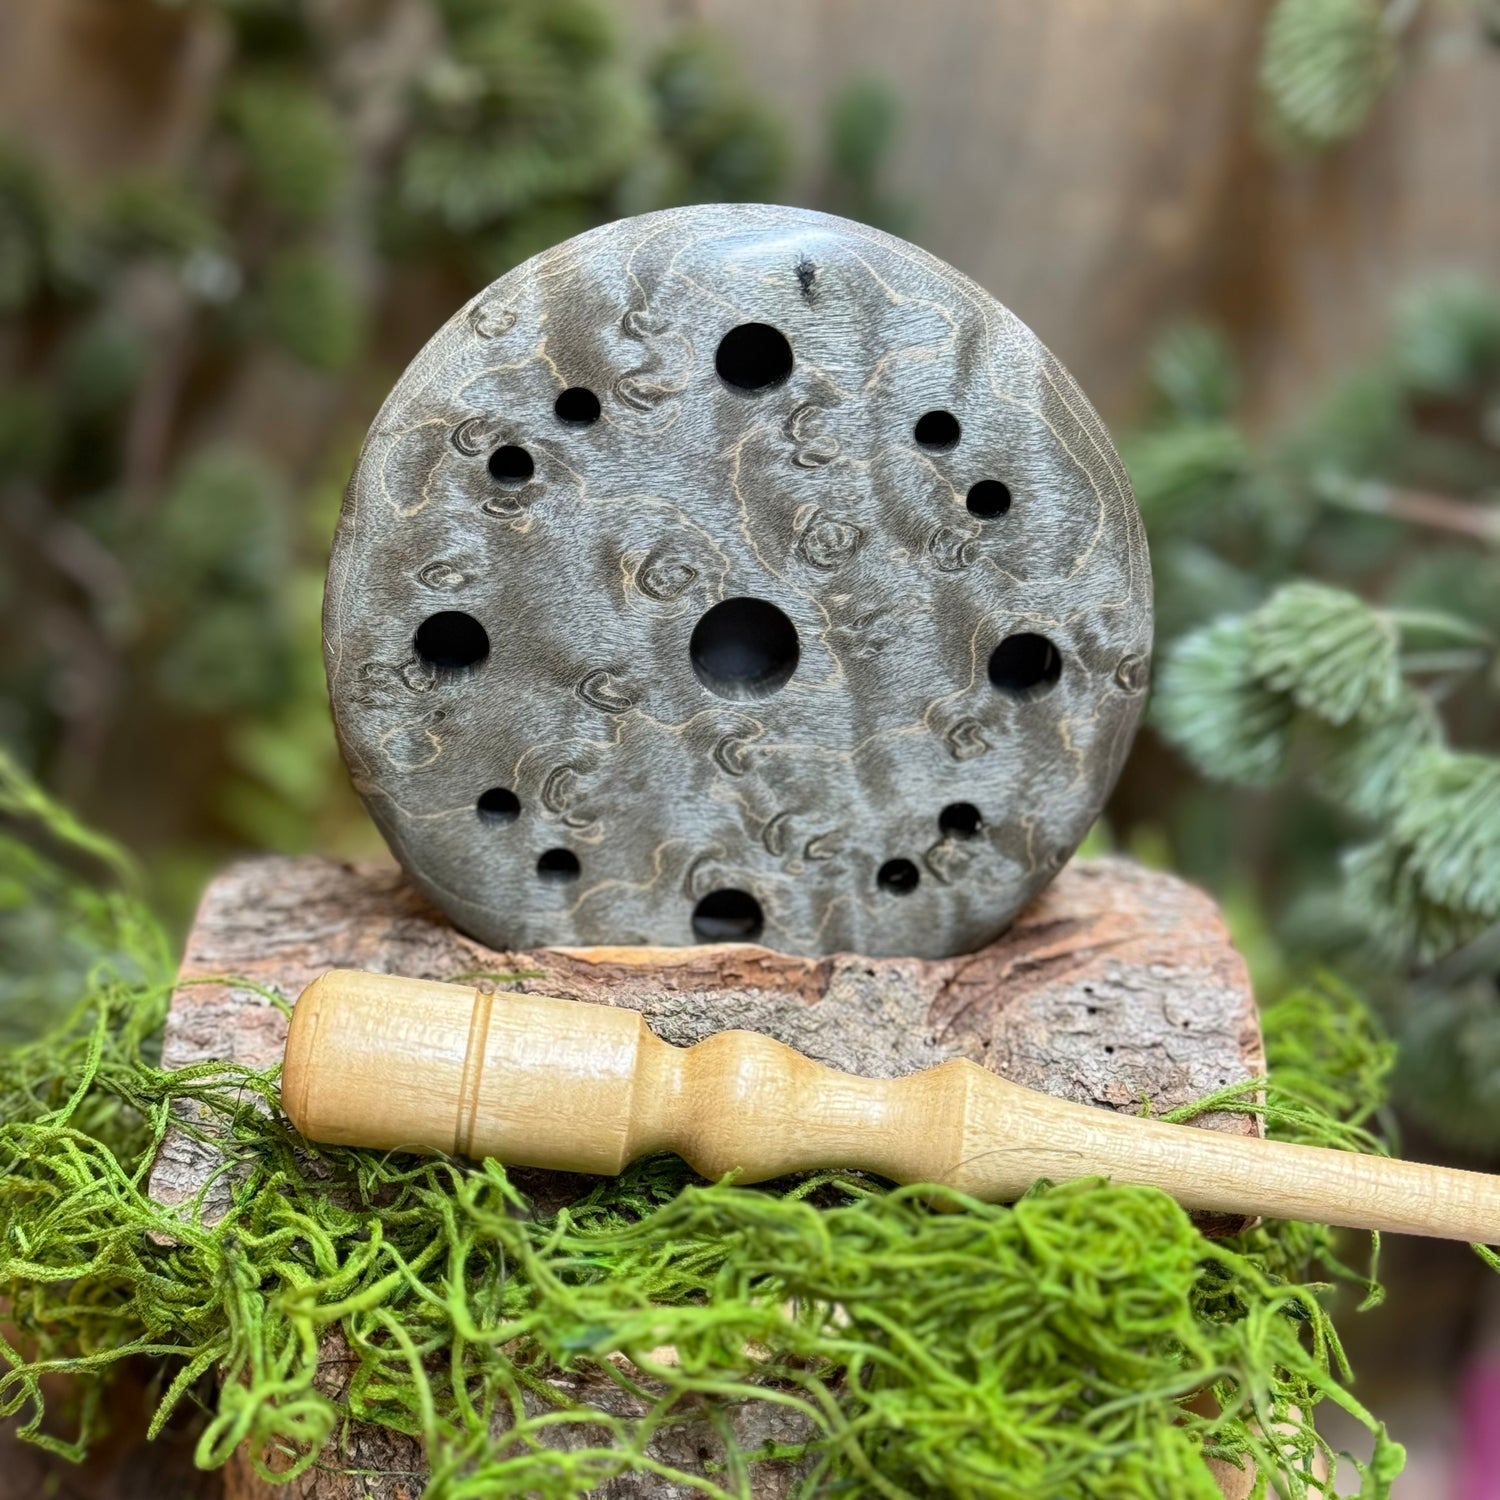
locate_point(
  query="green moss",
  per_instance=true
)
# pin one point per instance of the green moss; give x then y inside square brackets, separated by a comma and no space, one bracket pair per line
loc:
[1052,1347]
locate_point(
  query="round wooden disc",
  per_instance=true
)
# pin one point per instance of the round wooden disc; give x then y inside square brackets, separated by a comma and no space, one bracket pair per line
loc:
[737,572]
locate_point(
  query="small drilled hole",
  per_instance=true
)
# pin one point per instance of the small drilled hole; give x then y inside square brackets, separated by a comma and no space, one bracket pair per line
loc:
[753,357]
[898,876]
[511,465]
[1026,666]
[558,865]
[961,819]
[577,405]
[498,805]
[744,649]
[728,916]
[938,430]
[451,641]
[988,499]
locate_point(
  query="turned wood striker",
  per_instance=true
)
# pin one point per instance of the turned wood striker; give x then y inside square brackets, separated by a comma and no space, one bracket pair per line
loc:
[533,1080]
[737,572]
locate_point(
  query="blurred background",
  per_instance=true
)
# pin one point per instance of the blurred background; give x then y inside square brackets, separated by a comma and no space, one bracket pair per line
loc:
[1264,236]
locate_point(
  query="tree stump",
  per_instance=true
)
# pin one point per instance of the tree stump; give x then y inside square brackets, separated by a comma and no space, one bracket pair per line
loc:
[1118,987]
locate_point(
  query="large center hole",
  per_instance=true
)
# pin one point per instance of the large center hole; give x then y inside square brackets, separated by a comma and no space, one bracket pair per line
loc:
[728,916]
[744,649]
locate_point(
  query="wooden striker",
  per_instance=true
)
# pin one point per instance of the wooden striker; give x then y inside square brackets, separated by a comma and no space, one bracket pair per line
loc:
[537,1081]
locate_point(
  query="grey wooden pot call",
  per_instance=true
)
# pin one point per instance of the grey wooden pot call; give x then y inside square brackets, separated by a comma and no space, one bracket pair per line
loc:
[737,572]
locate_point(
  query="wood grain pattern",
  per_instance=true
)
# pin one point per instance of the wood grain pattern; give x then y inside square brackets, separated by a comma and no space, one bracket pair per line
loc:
[837,602]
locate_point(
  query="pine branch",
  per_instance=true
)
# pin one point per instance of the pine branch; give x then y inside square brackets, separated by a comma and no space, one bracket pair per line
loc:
[1449,817]
[1362,766]
[1211,703]
[1447,336]
[1317,669]
[1462,518]
[1193,372]
[1179,467]
[1328,651]
[1324,66]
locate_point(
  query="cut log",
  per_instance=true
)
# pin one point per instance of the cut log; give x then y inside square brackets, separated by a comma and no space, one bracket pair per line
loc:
[1119,987]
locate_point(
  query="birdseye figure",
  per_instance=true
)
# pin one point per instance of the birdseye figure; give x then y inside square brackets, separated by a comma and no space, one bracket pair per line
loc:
[737,572]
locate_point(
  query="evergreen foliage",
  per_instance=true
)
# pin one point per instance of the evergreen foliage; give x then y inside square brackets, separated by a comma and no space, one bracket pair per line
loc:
[721,146]
[1212,702]
[1193,371]
[524,107]
[1325,64]
[1447,337]
[1386,491]
[313,309]
[1236,695]
[1328,653]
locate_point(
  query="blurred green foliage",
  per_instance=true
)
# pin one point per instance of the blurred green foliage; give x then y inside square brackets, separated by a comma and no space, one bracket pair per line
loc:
[192,351]
[1324,65]
[863,121]
[1329,631]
